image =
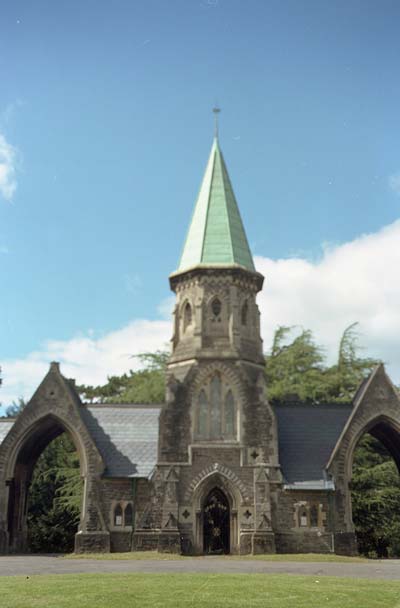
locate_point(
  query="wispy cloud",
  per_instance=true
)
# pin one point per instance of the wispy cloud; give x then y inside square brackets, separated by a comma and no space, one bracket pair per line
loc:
[8,160]
[394,183]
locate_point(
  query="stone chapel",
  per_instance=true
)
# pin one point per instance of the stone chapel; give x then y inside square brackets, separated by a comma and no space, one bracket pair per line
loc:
[215,469]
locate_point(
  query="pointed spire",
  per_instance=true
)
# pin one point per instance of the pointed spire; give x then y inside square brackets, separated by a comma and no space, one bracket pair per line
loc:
[216,234]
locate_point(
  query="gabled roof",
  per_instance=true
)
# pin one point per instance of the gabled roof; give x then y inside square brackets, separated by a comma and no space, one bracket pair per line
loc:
[216,234]
[307,435]
[126,437]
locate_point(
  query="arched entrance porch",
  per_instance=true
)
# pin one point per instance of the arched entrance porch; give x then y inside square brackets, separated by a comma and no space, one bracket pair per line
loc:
[19,476]
[375,490]
[216,501]
[54,408]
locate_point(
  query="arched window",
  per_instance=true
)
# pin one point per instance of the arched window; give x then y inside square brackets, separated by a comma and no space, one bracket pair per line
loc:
[187,316]
[202,416]
[303,519]
[128,515]
[230,415]
[216,308]
[314,516]
[245,313]
[215,398]
[118,516]
[216,412]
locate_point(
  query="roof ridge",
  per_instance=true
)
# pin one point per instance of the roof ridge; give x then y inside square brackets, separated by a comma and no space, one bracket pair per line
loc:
[222,167]
[213,151]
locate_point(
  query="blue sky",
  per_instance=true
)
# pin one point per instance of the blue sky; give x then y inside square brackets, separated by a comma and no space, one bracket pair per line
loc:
[105,129]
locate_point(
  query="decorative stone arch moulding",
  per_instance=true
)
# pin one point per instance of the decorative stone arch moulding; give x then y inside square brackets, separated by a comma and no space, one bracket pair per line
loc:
[15,442]
[376,403]
[239,490]
[361,429]
[232,375]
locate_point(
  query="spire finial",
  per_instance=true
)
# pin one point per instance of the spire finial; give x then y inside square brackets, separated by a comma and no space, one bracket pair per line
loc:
[216,111]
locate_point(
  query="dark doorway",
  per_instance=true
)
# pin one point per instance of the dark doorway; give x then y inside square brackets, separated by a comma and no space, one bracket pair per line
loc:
[216,518]
[45,494]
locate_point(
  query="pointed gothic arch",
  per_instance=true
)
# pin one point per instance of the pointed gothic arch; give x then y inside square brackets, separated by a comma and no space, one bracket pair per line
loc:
[53,410]
[376,410]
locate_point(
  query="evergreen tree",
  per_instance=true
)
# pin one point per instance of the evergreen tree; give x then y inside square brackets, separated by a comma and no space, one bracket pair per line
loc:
[55,497]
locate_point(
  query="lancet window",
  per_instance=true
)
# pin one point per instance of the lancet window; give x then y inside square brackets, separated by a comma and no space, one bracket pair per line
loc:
[187,316]
[216,411]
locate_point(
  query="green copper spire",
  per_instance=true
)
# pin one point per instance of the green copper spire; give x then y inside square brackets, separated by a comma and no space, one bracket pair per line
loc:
[216,235]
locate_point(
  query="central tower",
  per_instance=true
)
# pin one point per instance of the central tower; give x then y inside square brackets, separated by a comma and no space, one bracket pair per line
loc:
[218,440]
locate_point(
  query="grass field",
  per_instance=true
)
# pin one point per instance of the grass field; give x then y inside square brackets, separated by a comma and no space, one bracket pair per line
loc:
[199,590]
[275,557]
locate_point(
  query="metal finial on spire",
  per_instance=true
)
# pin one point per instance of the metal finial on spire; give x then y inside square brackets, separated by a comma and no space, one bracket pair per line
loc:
[216,111]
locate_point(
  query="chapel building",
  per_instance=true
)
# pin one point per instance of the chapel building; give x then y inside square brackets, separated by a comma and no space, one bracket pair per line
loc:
[215,469]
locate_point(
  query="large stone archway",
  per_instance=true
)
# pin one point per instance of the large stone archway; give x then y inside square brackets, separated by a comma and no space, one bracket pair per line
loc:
[54,409]
[376,411]
[216,480]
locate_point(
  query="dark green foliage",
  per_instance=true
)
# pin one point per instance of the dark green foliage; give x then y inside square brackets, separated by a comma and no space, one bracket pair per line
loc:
[297,371]
[146,385]
[375,490]
[55,498]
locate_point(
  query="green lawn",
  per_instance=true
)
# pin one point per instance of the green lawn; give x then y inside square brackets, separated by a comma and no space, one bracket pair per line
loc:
[195,590]
[275,557]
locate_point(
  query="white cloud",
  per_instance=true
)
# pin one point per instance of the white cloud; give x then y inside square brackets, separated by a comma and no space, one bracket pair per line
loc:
[356,281]
[394,183]
[85,358]
[8,159]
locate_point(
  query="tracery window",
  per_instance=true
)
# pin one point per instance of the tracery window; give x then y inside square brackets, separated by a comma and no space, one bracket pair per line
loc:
[216,411]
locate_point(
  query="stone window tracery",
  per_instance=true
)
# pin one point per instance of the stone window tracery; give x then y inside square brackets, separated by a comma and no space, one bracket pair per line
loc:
[216,411]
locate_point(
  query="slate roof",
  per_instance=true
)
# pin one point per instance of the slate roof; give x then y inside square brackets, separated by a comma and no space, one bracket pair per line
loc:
[5,426]
[216,234]
[126,437]
[307,435]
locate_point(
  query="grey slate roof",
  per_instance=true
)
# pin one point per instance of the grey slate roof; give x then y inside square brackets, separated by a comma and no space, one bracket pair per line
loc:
[5,426]
[307,435]
[126,437]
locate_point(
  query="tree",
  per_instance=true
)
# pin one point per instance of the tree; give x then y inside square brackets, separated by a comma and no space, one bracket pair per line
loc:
[55,497]
[147,385]
[297,369]
[375,489]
